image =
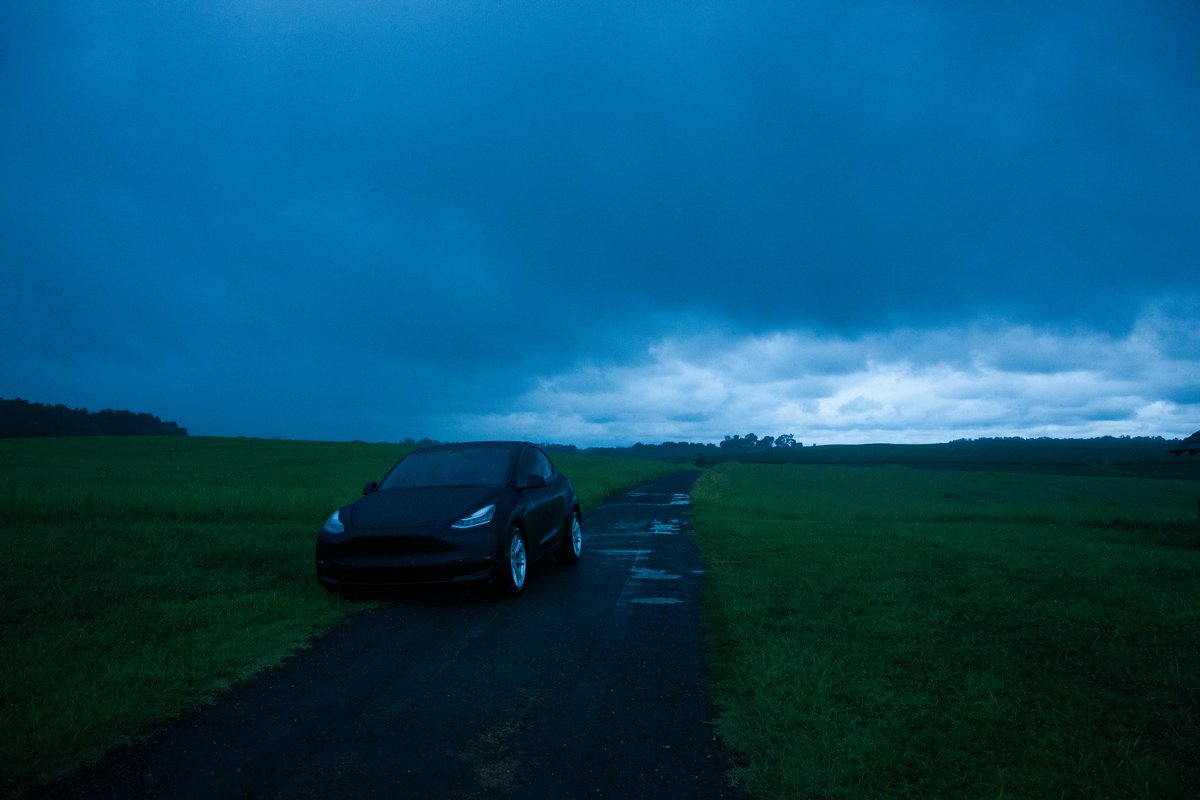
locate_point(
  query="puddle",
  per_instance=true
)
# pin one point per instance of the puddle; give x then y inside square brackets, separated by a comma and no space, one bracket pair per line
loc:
[656,601]
[655,499]
[626,529]
[661,528]
[618,552]
[644,574]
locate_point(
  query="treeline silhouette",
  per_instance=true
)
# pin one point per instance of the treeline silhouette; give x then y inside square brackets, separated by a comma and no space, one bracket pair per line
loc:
[21,418]
[1144,455]
[733,447]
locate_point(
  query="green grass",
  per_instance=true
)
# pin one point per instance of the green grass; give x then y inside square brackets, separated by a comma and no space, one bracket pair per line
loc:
[146,575]
[899,632]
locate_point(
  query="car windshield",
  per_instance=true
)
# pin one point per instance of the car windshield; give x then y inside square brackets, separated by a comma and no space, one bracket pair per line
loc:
[469,467]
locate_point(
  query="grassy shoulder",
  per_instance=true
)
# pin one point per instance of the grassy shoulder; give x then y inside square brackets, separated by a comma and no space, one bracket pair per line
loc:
[149,574]
[898,632]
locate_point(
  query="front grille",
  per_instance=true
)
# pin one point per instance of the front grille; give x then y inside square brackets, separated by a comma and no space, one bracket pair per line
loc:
[392,545]
[385,575]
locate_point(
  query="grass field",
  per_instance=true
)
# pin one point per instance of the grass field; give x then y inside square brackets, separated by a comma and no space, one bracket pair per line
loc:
[146,575]
[902,632]
[876,631]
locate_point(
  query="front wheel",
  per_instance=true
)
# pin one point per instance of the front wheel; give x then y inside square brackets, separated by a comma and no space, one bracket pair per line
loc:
[516,563]
[572,544]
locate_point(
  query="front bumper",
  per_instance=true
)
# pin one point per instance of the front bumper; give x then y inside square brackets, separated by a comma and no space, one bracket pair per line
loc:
[404,558]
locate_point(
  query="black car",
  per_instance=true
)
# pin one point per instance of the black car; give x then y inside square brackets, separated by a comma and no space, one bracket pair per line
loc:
[478,511]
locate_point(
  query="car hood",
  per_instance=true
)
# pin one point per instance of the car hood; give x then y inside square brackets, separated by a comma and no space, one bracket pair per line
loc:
[417,508]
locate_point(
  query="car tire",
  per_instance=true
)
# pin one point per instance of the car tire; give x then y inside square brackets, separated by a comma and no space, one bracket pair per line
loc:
[514,562]
[572,543]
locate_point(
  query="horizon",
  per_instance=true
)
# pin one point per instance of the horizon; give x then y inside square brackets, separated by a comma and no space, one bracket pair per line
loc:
[424,440]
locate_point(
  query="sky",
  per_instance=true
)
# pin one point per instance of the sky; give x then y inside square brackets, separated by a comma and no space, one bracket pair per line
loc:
[603,223]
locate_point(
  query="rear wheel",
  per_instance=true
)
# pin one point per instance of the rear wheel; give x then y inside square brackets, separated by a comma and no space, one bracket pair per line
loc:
[572,543]
[516,563]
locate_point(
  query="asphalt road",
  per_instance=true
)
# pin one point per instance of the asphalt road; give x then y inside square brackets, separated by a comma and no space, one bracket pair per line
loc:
[590,685]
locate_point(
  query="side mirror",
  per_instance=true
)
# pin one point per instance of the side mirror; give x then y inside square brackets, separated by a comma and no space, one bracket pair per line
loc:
[370,487]
[531,482]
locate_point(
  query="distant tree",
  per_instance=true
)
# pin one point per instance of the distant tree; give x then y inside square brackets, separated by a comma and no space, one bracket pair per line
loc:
[766,442]
[732,442]
[21,418]
[785,440]
[750,439]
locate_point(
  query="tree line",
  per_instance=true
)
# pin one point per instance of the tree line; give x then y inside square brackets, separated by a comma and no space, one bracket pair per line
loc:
[21,418]
[750,441]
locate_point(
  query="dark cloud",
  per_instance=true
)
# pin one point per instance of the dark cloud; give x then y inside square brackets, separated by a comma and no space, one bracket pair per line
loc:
[444,202]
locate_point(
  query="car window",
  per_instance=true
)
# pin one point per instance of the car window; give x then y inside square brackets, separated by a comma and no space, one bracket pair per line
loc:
[468,467]
[535,462]
[546,469]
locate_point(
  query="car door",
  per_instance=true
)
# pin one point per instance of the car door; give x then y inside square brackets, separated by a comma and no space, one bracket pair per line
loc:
[545,506]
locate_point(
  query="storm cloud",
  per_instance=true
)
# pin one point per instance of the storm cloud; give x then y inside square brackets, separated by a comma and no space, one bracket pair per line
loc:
[605,223]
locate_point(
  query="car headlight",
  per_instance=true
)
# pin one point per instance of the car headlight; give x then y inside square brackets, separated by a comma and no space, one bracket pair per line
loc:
[481,517]
[334,524]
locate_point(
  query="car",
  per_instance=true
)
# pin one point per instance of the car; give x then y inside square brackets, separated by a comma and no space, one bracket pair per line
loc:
[454,513]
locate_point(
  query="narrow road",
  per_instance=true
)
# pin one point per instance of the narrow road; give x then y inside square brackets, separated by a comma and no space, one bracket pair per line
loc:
[590,685]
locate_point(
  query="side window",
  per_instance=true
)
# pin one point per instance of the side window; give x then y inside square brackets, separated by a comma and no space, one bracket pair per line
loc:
[526,467]
[534,462]
[543,466]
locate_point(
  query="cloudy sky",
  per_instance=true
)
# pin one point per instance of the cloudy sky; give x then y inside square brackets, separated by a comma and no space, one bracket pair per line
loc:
[605,222]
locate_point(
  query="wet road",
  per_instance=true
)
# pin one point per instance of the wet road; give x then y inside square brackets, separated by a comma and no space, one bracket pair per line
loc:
[590,685]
